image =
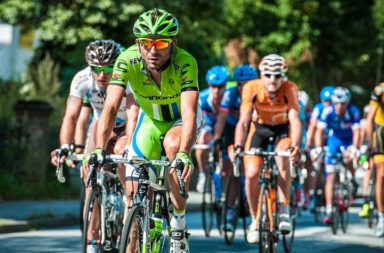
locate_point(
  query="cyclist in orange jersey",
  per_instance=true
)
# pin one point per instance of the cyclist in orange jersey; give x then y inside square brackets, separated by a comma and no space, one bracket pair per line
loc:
[276,104]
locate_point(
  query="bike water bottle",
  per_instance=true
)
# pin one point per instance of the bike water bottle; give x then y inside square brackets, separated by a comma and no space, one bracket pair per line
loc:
[217,180]
[117,205]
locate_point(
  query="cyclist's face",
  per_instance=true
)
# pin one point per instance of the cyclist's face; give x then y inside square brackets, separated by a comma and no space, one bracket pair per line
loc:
[102,79]
[340,108]
[154,57]
[217,92]
[272,83]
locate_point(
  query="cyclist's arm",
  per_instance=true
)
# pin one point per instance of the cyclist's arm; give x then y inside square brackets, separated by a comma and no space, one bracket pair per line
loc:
[295,123]
[356,137]
[319,136]
[220,124]
[71,116]
[132,114]
[107,118]
[82,127]
[310,133]
[369,124]
[188,105]
[242,126]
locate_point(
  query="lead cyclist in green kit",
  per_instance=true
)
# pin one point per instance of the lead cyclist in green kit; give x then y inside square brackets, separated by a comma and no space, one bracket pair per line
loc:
[163,80]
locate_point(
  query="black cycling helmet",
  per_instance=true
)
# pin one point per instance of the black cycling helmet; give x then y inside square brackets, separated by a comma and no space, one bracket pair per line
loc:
[102,52]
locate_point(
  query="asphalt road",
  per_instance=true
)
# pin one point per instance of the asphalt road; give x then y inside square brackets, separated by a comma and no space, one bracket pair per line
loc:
[310,237]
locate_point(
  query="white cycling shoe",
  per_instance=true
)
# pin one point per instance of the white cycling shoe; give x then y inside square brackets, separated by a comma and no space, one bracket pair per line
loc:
[179,241]
[92,249]
[253,233]
[285,224]
[200,183]
[379,232]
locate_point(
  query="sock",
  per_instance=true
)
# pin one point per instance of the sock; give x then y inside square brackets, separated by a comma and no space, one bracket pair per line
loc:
[201,174]
[178,219]
[284,209]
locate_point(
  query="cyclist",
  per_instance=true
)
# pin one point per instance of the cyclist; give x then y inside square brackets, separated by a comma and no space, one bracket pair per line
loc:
[163,80]
[276,104]
[342,118]
[325,97]
[91,83]
[375,123]
[211,104]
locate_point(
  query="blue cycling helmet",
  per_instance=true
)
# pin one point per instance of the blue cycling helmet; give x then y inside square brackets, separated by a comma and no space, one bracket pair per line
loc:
[326,93]
[217,76]
[245,73]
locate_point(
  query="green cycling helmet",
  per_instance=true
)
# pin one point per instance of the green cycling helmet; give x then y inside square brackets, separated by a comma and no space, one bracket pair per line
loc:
[156,22]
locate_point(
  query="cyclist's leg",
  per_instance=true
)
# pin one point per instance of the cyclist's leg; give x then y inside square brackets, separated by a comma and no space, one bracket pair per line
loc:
[252,166]
[379,162]
[333,145]
[202,155]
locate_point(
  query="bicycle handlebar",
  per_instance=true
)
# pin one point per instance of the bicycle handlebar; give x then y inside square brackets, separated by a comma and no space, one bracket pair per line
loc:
[261,152]
[179,167]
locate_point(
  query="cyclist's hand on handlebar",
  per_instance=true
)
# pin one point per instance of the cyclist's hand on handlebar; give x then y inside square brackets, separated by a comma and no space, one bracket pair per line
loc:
[98,153]
[59,155]
[188,165]
[295,154]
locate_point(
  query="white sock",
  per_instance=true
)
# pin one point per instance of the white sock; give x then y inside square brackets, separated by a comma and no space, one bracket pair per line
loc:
[284,209]
[178,220]
[201,174]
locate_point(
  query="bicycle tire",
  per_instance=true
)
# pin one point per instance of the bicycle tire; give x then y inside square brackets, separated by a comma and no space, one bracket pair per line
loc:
[133,220]
[229,235]
[265,235]
[344,216]
[82,205]
[89,208]
[207,204]
[335,204]
[371,201]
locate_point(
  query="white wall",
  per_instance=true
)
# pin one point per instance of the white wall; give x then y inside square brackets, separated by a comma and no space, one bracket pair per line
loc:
[13,59]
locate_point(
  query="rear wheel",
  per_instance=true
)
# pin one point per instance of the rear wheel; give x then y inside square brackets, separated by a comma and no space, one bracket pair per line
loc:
[265,236]
[132,236]
[92,213]
[208,204]
[344,215]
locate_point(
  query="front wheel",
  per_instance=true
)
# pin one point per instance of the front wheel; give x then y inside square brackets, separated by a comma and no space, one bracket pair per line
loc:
[92,217]
[132,236]
[208,204]
[235,207]
[265,234]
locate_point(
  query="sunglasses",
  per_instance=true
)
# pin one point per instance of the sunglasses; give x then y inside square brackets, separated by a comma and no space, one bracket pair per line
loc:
[159,43]
[241,83]
[218,86]
[277,76]
[105,69]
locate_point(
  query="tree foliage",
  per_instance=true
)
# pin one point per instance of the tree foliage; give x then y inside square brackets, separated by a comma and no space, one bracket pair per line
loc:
[325,42]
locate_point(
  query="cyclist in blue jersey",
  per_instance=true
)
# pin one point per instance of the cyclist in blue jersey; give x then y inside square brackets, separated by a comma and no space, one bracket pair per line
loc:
[210,101]
[343,120]
[325,97]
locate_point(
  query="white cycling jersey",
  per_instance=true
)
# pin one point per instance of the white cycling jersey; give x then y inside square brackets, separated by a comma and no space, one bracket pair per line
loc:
[84,86]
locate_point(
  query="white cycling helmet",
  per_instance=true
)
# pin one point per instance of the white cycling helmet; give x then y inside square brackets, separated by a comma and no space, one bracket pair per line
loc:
[341,95]
[273,64]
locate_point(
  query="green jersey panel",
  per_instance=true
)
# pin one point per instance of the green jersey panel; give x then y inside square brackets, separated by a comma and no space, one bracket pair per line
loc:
[160,103]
